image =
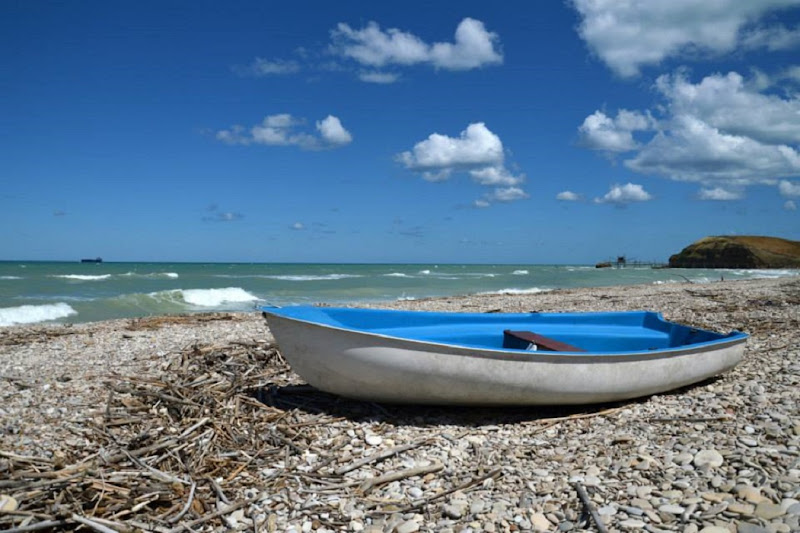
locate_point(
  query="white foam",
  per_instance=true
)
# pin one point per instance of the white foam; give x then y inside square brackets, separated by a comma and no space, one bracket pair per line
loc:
[397,275]
[170,275]
[424,272]
[216,297]
[31,314]
[766,274]
[312,277]
[533,290]
[83,277]
[520,273]
[10,277]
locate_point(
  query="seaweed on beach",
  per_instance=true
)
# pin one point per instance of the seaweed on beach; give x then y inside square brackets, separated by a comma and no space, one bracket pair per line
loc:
[169,454]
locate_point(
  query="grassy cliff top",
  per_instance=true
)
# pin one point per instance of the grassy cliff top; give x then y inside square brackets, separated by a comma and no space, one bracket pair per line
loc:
[739,251]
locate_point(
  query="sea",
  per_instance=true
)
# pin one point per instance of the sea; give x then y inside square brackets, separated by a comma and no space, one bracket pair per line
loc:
[74,292]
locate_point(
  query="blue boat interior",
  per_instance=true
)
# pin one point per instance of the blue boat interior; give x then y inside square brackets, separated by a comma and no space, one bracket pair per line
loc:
[628,331]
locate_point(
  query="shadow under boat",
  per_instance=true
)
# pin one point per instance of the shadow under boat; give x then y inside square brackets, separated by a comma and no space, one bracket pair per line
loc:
[314,401]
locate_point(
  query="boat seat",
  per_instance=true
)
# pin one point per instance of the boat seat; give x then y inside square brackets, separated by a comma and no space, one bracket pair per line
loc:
[528,340]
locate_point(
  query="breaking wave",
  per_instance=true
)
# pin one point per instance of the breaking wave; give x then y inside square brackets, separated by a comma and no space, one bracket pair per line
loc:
[156,275]
[532,290]
[216,297]
[32,314]
[765,274]
[312,277]
[520,273]
[83,277]
[182,301]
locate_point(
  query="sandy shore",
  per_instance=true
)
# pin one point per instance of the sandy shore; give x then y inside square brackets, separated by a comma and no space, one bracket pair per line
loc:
[724,454]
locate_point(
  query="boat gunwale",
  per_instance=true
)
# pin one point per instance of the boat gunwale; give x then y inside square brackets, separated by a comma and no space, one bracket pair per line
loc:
[484,352]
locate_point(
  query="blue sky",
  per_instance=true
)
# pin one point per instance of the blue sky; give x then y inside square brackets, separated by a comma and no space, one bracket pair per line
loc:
[535,132]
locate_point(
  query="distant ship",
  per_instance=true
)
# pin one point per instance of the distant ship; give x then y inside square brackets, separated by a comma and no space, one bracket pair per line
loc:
[95,260]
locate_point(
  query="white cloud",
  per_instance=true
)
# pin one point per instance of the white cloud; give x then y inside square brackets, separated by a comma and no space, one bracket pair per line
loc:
[629,35]
[297,226]
[695,151]
[625,194]
[283,130]
[568,196]
[495,176]
[507,194]
[476,147]
[378,77]
[223,217]
[772,38]
[477,152]
[261,67]
[601,132]
[789,189]
[732,105]
[474,47]
[719,194]
[789,205]
[333,132]
[724,131]
[792,73]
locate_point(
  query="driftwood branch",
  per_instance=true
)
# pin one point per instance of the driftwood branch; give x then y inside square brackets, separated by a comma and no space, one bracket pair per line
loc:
[93,525]
[202,520]
[589,507]
[494,474]
[379,456]
[373,482]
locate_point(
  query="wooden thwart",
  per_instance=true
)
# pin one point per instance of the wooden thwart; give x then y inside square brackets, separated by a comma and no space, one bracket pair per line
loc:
[523,339]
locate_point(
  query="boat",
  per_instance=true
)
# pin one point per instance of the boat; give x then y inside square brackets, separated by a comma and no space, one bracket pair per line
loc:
[95,260]
[496,358]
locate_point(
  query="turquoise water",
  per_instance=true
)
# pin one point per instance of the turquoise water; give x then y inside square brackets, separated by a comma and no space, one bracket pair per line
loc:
[32,292]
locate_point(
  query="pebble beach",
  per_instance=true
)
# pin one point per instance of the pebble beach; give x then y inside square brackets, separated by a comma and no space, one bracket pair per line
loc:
[195,423]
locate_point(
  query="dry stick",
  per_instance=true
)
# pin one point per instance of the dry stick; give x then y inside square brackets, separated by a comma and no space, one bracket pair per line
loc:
[185,507]
[102,493]
[720,418]
[107,414]
[497,472]
[380,456]
[192,429]
[163,476]
[144,526]
[24,485]
[212,516]
[92,524]
[579,416]
[140,451]
[26,458]
[45,524]
[587,504]
[244,465]
[112,524]
[331,458]
[20,512]
[373,482]
[218,490]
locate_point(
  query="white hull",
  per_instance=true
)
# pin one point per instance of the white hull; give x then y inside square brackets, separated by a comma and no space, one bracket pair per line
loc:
[381,368]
